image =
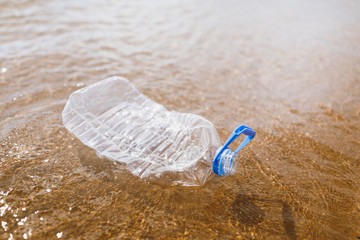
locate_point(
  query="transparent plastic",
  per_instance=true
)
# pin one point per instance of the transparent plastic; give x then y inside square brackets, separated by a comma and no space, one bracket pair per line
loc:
[122,124]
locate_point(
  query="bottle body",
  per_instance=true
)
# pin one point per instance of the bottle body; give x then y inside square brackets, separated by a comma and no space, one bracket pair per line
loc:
[122,124]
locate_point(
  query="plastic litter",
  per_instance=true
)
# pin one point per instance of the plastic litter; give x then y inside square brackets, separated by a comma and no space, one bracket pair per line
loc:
[169,147]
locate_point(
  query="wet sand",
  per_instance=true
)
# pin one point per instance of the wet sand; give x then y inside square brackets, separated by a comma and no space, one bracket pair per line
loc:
[289,70]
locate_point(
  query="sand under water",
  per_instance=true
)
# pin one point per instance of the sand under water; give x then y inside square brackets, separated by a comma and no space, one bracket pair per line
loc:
[290,70]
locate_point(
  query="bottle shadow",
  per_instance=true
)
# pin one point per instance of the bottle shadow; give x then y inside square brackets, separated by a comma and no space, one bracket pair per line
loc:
[288,220]
[248,213]
[245,211]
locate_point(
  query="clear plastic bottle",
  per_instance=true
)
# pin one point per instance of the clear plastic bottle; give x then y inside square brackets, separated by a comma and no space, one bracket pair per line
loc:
[122,124]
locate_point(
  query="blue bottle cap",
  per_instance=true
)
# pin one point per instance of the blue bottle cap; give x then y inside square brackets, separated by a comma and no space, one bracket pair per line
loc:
[225,161]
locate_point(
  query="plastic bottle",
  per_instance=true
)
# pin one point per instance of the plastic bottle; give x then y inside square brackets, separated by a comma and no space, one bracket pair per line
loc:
[169,147]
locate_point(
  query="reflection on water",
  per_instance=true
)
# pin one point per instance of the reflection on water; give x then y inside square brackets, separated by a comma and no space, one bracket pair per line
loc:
[288,69]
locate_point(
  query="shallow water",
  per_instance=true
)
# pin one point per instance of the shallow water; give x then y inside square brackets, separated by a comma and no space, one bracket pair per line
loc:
[290,70]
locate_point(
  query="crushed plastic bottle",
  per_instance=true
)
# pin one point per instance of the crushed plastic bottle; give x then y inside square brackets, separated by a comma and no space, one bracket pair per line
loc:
[169,147]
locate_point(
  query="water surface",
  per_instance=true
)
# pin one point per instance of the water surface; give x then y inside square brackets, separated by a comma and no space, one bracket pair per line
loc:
[290,70]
